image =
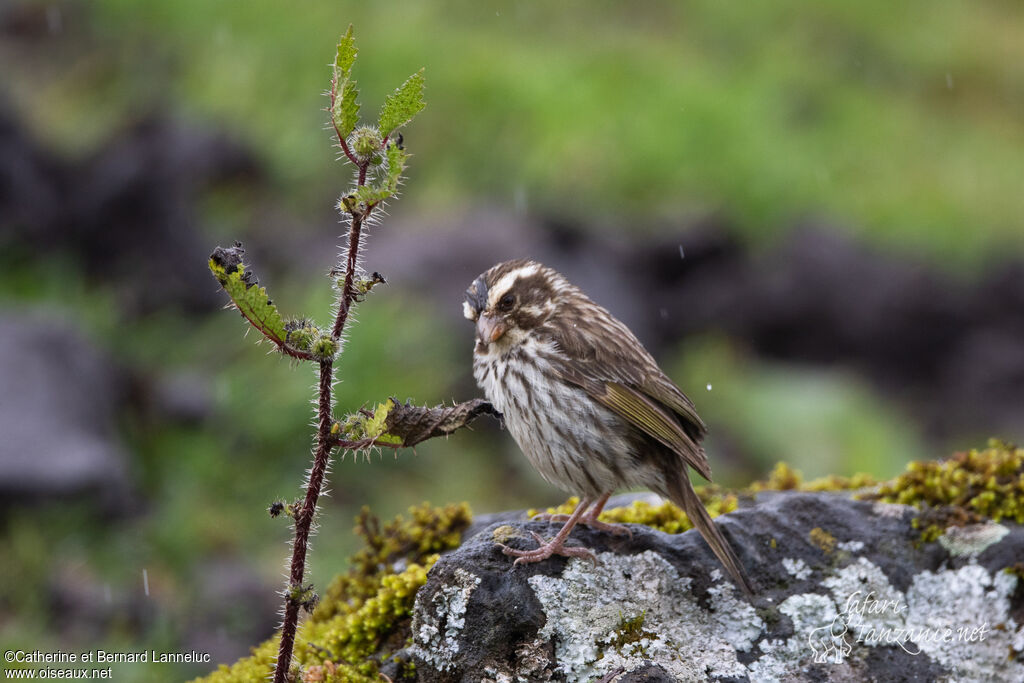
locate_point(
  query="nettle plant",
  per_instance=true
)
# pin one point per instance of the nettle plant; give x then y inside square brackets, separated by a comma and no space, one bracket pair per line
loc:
[379,158]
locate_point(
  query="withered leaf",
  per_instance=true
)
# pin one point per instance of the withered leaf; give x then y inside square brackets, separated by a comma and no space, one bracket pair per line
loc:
[415,424]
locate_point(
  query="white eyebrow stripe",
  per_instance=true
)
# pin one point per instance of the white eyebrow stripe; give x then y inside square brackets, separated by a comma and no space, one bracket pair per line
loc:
[468,311]
[505,282]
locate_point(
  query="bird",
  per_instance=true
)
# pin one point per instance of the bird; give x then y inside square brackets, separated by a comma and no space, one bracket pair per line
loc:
[586,403]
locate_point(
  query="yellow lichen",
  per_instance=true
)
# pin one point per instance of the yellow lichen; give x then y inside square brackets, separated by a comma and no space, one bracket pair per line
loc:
[664,516]
[822,539]
[785,478]
[505,533]
[781,478]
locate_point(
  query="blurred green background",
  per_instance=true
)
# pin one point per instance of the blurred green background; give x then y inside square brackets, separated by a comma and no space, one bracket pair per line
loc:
[901,125]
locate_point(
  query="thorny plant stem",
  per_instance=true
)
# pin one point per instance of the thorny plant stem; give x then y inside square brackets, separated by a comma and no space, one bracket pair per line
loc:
[304,522]
[347,295]
[324,441]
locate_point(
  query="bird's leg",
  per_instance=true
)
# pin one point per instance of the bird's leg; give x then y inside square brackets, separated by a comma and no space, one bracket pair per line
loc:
[552,516]
[556,546]
[590,519]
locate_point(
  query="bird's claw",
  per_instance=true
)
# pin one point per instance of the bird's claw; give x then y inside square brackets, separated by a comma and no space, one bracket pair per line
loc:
[546,550]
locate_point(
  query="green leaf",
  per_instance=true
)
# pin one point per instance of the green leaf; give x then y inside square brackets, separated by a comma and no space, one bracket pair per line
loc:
[402,105]
[251,300]
[345,111]
[396,158]
[347,51]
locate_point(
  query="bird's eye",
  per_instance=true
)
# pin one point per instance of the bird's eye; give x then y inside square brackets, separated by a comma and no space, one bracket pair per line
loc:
[506,302]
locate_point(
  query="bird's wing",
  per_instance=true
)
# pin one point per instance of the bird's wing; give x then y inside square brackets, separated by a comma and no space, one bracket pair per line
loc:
[650,416]
[626,380]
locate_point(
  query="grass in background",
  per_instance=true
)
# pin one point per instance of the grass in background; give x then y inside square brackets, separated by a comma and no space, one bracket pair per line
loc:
[902,122]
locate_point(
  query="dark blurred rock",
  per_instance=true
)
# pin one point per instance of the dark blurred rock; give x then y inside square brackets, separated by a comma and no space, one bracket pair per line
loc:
[128,214]
[182,398]
[826,570]
[57,413]
[31,181]
[952,351]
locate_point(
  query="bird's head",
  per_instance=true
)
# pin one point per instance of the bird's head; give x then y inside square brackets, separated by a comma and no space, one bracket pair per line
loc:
[510,300]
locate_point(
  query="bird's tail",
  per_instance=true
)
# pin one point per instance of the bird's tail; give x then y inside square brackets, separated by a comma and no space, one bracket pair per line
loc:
[681,493]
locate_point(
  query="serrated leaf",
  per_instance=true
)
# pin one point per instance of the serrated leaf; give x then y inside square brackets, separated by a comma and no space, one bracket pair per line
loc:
[346,109]
[396,157]
[347,51]
[402,105]
[249,298]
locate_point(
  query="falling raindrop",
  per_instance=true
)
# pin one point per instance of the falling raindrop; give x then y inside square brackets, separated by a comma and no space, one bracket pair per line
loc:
[145,581]
[709,386]
[682,254]
[949,81]
[664,313]
[519,200]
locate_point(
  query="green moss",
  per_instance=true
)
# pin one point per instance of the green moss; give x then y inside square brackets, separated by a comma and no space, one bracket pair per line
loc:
[629,637]
[962,490]
[630,631]
[364,616]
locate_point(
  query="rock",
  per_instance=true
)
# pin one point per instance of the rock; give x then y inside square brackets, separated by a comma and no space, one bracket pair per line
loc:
[57,413]
[844,591]
[128,214]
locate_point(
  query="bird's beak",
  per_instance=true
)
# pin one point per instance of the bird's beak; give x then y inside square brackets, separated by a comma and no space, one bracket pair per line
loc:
[489,329]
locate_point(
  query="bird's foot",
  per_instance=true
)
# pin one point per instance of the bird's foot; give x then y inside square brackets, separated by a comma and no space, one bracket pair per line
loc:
[616,529]
[546,550]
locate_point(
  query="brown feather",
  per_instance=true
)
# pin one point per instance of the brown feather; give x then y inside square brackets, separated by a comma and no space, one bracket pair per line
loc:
[681,492]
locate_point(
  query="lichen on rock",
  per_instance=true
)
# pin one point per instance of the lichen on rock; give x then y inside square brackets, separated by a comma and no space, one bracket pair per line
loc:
[586,606]
[845,588]
[438,624]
